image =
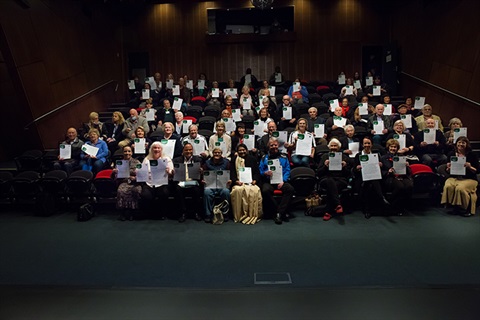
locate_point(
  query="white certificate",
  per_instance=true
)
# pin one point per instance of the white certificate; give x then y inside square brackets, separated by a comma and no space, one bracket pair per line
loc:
[339,121]
[341,79]
[400,165]
[369,81]
[177,103]
[419,102]
[65,151]
[150,114]
[176,90]
[376,91]
[335,161]
[190,84]
[248,78]
[222,145]
[407,120]
[354,147]
[457,167]
[230,92]
[236,114]
[139,145]
[151,82]
[249,141]
[145,94]
[142,173]
[201,84]
[363,109]
[278,77]
[401,140]
[131,84]
[185,125]
[319,130]
[260,100]
[215,93]
[229,124]
[245,175]
[90,150]
[247,103]
[333,104]
[168,147]
[199,147]
[378,126]
[277,174]
[459,132]
[304,144]
[170,84]
[370,167]
[287,113]
[296,86]
[159,172]
[281,138]
[258,127]
[272,90]
[357,84]
[348,90]
[123,167]
[429,136]
[216,179]
[388,109]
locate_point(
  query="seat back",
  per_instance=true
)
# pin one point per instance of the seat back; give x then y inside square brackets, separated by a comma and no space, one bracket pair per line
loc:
[303,180]
[53,181]
[30,160]
[79,183]
[105,185]
[212,111]
[25,184]
[206,122]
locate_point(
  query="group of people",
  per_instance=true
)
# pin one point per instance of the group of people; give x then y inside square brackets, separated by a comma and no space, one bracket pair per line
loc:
[356,131]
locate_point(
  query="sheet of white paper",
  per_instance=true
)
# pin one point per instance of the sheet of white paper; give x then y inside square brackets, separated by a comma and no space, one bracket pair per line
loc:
[354,147]
[249,141]
[139,145]
[230,92]
[357,84]
[296,86]
[363,109]
[429,136]
[287,113]
[400,165]
[230,124]
[236,114]
[277,176]
[339,121]
[348,90]
[176,90]
[248,78]
[407,120]
[459,132]
[260,100]
[90,150]
[388,109]
[335,161]
[457,167]
[370,167]
[190,84]
[245,175]
[150,114]
[123,167]
[177,103]
[185,125]
[216,179]
[170,84]
[215,93]
[158,172]
[152,83]
[278,77]
[222,145]
[341,79]
[168,147]
[282,137]
[369,81]
[199,146]
[376,91]
[65,151]
[304,144]
[201,84]
[378,127]
[401,140]
[419,102]
[142,173]
[145,94]
[131,84]
[247,104]
[272,90]
[258,127]
[333,104]
[319,130]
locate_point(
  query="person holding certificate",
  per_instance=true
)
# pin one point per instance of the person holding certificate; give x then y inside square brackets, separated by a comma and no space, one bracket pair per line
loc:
[128,191]
[314,119]
[114,131]
[266,109]
[94,123]
[349,144]
[454,123]
[460,189]
[335,124]
[150,113]
[367,180]
[297,92]
[171,139]
[427,113]
[285,114]
[379,125]
[408,121]
[396,176]
[140,144]
[333,178]
[246,196]
[214,100]
[249,79]
[430,145]
[94,156]
[405,139]
[220,139]
[215,164]
[187,177]
[165,114]
[69,160]
[271,161]
[156,170]
[247,102]
[199,143]
[131,125]
[301,144]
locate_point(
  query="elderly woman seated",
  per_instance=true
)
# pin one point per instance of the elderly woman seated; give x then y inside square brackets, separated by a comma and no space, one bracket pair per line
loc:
[94,159]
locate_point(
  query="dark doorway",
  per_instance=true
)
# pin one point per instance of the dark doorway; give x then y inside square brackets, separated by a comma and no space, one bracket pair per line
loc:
[138,65]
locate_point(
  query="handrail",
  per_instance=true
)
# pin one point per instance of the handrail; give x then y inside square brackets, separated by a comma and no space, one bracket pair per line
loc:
[442,89]
[70,102]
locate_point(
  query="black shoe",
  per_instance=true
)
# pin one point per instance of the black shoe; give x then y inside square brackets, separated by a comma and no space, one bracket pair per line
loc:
[278,219]
[467,214]
[286,217]
[197,217]
[208,219]
[385,201]
[182,218]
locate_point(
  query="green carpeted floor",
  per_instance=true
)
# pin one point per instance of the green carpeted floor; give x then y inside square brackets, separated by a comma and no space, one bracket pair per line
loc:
[426,248]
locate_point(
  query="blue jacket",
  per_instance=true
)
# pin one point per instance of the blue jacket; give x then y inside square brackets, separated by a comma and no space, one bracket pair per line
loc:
[102,150]
[303,91]
[283,162]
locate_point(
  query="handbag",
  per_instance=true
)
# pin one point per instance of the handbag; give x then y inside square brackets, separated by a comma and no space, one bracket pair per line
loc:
[219,211]
[312,204]
[85,212]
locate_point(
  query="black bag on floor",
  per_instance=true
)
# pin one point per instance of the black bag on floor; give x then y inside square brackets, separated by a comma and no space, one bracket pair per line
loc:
[85,212]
